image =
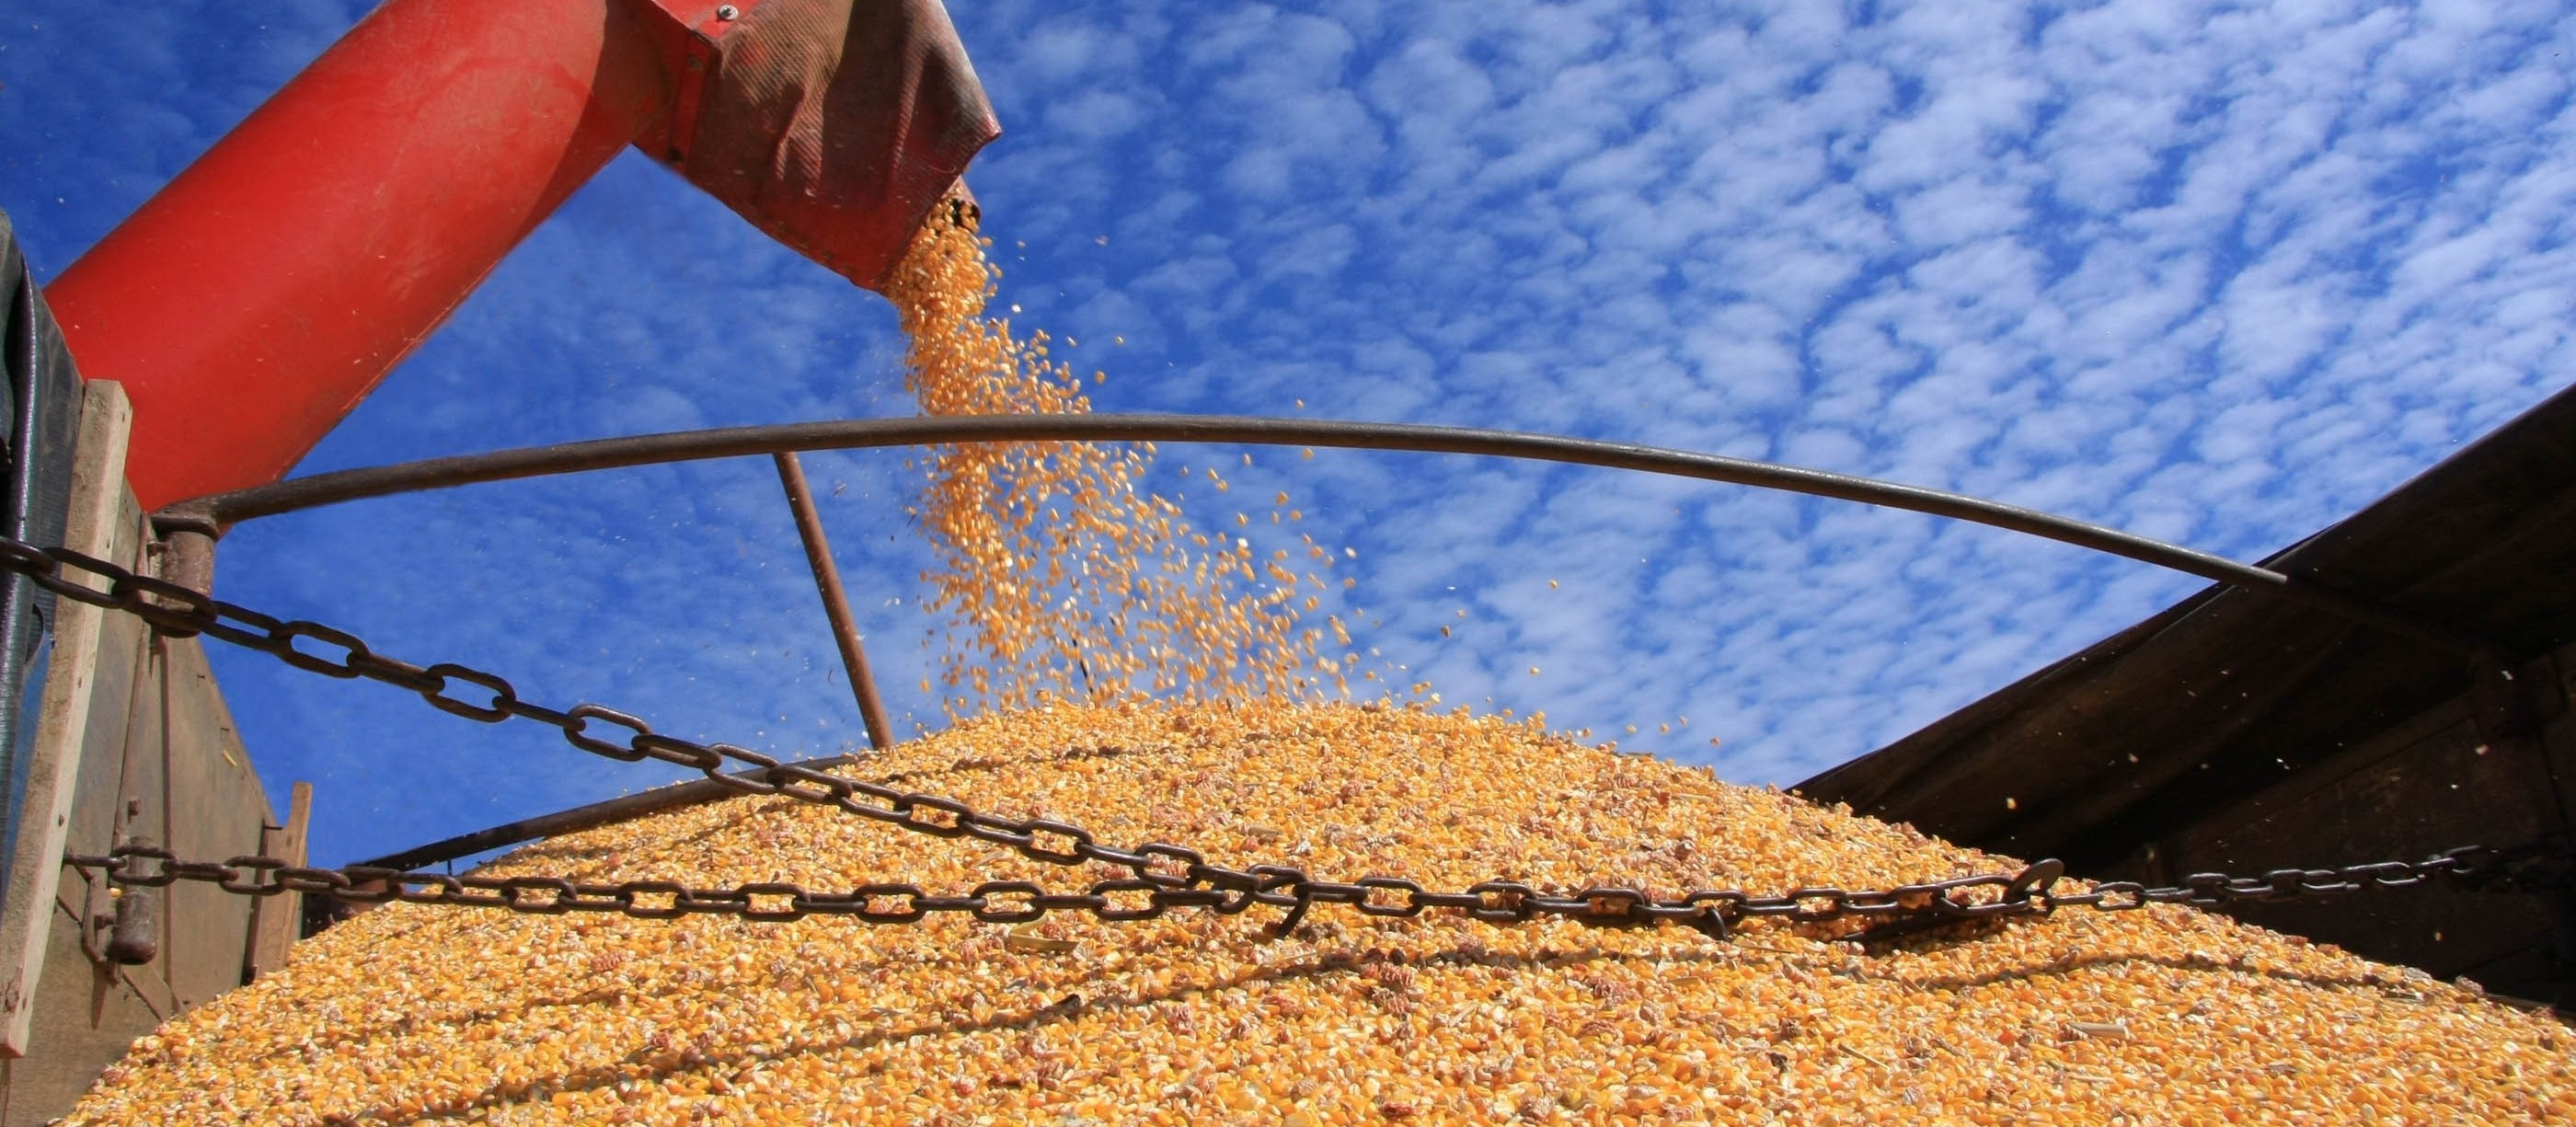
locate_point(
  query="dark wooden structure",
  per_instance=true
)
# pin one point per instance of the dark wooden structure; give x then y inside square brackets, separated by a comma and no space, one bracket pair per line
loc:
[143,748]
[131,741]
[2239,733]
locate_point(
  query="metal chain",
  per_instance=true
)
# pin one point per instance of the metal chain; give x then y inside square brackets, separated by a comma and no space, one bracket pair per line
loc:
[1165,876]
[1713,912]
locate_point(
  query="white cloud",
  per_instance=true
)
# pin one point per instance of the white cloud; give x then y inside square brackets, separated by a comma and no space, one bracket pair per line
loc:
[2213,272]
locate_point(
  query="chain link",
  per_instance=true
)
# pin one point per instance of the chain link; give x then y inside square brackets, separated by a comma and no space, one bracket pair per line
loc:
[1713,912]
[1165,876]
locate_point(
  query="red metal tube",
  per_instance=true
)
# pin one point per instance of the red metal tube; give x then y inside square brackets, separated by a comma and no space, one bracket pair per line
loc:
[253,301]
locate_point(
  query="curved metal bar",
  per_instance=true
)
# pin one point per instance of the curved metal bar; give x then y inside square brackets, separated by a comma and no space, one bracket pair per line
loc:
[296,494]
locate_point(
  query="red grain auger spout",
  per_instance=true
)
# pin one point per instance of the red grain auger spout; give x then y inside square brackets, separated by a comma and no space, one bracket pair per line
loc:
[255,300]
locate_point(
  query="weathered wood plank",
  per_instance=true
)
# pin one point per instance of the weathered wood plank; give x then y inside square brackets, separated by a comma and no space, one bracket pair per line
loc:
[121,788]
[275,921]
[92,1014]
[53,768]
[215,809]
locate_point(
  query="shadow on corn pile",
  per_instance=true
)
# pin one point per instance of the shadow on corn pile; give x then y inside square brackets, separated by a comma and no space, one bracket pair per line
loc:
[676,1059]
[414,1014]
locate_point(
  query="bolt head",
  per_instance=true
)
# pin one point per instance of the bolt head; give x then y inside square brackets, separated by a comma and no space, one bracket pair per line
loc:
[728,12]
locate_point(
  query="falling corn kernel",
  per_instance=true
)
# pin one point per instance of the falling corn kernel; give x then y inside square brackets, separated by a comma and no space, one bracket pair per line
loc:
[1058,574]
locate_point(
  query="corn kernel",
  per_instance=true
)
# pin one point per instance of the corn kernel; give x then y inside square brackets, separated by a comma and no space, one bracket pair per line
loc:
[2162,1015]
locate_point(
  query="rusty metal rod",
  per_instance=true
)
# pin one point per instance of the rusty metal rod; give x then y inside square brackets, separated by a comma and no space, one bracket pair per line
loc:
[301,493]
[836,603]
[622,808]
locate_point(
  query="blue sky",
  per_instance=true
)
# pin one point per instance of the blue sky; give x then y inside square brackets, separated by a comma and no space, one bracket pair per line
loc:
[2215,273]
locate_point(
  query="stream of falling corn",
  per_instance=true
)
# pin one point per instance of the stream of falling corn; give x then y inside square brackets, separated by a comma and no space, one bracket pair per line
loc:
[1078,594]
[1061,576]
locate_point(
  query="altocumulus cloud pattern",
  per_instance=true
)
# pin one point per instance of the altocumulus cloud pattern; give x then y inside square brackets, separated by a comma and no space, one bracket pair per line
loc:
[2215,273]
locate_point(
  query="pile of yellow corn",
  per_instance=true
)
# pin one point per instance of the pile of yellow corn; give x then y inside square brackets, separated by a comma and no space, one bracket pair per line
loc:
[2163,1016]
[1064,579]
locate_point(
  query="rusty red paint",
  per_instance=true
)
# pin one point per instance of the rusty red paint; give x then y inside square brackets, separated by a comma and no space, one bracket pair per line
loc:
[256,299]
[252,302]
